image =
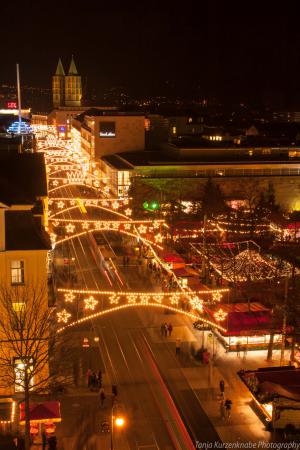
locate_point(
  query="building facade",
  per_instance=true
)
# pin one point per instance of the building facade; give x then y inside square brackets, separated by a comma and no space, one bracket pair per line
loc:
[108,131]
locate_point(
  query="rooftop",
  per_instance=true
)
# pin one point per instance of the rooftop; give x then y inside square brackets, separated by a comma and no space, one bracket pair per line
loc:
[22,232]
[22,178]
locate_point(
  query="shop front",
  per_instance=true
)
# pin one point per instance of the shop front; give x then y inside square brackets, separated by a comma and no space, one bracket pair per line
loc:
[249,326]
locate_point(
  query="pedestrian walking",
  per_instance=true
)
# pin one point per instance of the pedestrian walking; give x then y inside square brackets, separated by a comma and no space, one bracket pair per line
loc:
[21,443]
[177,346]
[222,386]
[170,329]
[162,330]
[114,391]
[93,382]
[52,443]
[44,440]
[238,349]
[99,378]
[228,404]
[166,329]
[89,377]
[244,352]
[102,397]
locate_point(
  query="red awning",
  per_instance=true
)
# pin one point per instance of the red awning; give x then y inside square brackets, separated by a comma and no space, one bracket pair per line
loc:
[42,412]
[170,257]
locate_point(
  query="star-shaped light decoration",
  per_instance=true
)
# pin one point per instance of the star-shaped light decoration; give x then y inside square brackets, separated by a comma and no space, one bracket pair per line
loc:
[220,315]
[72,202]
[144,298]
[55,183]
[174,299]
[132,298]
[127,226]
[155,224]
[126,201]
[70,228]
[96,183]
[106,189]
[142,229]
[65,181]
[90,303]
[216,296]
[128,212]
[158,238]
[158,298]
[60,204]
[55,223]
[50,201]
[85,225]
[114,299]
[196,303]
[69,296]
[63,316]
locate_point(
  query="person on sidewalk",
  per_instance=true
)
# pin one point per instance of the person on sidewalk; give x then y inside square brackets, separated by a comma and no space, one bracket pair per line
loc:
[44,440]
[52,442]
[222,386]
[238,349]
[177,346]
[88,377]
[162,330]
[170,329]
[228,404]
[99,379]
[102,397]
[166,329]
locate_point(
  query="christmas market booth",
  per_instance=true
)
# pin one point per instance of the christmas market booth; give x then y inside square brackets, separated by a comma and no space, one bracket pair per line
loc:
[42,416]
[276,394]
[248,326]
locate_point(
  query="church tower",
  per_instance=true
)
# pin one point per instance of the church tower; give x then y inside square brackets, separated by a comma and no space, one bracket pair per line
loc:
[58,86]
[73,90]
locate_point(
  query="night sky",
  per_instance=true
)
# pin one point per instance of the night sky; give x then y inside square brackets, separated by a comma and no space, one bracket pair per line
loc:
[232,50]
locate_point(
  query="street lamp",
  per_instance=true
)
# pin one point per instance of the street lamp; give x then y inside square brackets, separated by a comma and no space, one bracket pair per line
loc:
[117,421]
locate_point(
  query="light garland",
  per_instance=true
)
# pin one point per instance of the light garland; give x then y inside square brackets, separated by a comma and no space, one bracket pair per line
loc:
[61,158]
[193,316]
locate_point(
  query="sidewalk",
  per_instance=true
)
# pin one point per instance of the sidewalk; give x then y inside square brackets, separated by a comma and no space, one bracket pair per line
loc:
[244,424]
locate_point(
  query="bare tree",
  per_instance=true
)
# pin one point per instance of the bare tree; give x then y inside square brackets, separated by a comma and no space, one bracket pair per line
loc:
[28,342]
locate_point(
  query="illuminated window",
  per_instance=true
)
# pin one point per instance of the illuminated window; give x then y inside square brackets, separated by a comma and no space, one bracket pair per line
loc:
[147,124]
[294,154]
[190,120]
[17,272]
[266,151]
[107,129]
[20,365]
[250,152]
[174,130]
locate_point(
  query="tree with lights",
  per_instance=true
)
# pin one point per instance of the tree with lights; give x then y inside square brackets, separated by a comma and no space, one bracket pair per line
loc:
[30,349]
[212,201]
